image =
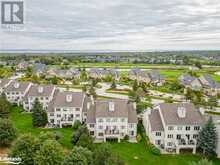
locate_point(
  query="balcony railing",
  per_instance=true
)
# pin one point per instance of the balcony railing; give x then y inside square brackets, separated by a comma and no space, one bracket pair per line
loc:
[66,119]
[186,142]
[112,132]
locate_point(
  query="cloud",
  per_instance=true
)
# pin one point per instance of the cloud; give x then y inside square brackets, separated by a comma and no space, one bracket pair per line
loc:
[117,25]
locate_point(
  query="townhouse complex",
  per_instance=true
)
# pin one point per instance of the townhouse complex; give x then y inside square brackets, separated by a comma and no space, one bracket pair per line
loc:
[174,126]
[106,119]
[204,82]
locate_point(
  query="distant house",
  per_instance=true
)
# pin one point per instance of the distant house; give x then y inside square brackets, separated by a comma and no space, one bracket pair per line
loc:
[210,86]
[3,84]
[22,66]
[39,69]
[112,119]
[134,73]
[16,91]
[114,73]
[173,127]
[103,73]
[190,82]
[156,78]
[64,74]
[44,93]
[150,77]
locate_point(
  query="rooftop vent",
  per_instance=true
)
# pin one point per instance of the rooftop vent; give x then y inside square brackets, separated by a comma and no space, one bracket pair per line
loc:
[181,111]
[16,85]
[40,89]
[69,98]
[111,106]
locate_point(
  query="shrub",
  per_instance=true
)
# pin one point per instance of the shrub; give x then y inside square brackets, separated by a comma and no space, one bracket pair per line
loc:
[7,132]
[76,125]
[126,138]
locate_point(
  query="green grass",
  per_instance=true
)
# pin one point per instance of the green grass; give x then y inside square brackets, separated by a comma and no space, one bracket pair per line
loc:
[132,154]
[23,123]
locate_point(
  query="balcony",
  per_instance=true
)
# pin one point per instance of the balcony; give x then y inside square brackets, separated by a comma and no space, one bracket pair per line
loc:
[67,119]
[186,142]
[111,132]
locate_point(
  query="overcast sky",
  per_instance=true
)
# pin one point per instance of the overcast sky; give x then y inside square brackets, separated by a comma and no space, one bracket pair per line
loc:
[117,25]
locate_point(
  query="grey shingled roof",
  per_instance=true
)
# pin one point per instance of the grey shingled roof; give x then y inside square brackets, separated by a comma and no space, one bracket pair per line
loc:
[155,75]
[4,82]
[122,109]
[38,67]
[211,82]
[47,90]
[186,79]
[135,71]
[91,115]
[155,121]
[169,112]
[22,86]
[59,100]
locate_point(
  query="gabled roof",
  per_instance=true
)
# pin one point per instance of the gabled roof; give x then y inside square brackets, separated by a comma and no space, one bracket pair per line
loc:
[155,75]
[59,100]
[135,71]
[4,82]
[34,90]
[121,109]
[38,67]
[155,121]
[15,86]
[186,79]
[210,82]
[170,115]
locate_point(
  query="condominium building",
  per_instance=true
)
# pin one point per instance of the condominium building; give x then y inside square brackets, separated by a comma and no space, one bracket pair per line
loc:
[44,93]
[112,119]
[65,108]
[16,91]
[174,126]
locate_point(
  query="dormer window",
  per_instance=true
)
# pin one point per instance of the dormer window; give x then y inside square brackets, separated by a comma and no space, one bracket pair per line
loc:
[111,106]
[40,89]
[69,98]
[181,111]
[16,85]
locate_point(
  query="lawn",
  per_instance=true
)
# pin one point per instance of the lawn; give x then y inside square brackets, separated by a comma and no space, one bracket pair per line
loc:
[132,154]
[23,123]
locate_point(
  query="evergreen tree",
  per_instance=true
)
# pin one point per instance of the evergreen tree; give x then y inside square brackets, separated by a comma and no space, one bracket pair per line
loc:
[135,85]
[207,140]
[39,115]
[113,85]
[213,101]
[4,106]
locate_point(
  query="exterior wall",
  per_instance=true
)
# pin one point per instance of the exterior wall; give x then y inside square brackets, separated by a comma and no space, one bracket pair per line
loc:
[28,104]
[180,130]
[112,128]
[16,97]
[65,115]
